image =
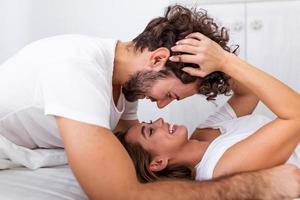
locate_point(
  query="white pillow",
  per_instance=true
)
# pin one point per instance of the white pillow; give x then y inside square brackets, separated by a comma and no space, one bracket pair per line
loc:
[12,155]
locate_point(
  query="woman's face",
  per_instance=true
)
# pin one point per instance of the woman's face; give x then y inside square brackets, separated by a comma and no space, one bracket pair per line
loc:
[159,138]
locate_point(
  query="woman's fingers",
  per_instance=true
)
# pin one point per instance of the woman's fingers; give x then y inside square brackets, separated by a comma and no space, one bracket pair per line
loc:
[199,49]
[186,48]
[189,41]
[194,71]
[197,35]
[186,58]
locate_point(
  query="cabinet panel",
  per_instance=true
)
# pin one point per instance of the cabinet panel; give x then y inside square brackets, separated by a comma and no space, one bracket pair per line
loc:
[273,34]
[231,16]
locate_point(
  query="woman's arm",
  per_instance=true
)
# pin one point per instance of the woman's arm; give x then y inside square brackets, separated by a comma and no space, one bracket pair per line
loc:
[272,144]
[243,102]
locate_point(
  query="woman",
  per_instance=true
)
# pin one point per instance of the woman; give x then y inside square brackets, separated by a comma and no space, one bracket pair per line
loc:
[230,141]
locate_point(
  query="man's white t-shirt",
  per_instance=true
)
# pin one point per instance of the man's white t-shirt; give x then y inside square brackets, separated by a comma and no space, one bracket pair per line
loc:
[233,130]
[68,76]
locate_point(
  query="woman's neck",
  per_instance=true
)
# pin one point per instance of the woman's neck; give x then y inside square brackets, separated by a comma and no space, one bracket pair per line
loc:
[190,154]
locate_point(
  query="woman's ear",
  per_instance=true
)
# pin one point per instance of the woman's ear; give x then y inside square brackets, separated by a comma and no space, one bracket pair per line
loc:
[159,57]
[158,164]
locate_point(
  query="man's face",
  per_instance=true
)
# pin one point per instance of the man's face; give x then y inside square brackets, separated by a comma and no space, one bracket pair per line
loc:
[164,91]
[161,87]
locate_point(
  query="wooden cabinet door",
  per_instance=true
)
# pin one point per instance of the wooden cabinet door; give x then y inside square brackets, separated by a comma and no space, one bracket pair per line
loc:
[273,41]
[231,16]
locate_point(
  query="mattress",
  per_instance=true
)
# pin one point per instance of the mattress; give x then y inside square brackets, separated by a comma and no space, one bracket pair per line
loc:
[53,183]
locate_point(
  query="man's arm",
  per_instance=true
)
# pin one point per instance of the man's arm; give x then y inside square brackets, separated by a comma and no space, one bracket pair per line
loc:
[261,186]
[278,183]
[105,171]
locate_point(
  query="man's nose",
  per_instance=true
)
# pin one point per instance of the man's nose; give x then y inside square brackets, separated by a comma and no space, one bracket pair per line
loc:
[162,103]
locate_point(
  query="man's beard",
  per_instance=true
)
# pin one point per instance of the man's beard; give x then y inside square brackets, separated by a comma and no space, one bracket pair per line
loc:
[140,83]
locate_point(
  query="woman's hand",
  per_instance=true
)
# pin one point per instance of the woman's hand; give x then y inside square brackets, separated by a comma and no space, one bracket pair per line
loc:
[202,51]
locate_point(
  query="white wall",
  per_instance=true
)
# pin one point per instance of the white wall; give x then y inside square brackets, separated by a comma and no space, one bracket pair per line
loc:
[23,21]
[14,26]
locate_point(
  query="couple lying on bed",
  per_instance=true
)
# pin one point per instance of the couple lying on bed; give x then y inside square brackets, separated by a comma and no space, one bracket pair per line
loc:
[231,140]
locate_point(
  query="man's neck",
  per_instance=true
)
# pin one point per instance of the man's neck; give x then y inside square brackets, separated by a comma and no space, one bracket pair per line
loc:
[127,61]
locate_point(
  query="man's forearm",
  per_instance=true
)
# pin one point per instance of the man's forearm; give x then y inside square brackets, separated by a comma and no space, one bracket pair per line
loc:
[236,187]
[272,184]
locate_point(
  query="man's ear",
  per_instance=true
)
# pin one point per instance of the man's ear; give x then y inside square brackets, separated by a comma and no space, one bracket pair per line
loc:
[159,57]
[158,164]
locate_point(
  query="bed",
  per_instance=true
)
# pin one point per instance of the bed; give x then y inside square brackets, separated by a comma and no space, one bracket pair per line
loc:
[36,174]
[53,183]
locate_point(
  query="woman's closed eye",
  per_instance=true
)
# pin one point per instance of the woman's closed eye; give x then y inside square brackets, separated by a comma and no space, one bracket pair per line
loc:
[151,130]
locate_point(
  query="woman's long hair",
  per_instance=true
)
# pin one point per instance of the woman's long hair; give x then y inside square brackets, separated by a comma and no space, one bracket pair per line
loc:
[142,159]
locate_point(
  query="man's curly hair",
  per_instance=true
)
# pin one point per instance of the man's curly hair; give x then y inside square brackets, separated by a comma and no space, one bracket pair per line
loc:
[176,24]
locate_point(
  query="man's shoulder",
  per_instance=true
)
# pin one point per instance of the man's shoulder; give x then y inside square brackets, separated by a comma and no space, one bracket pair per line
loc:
[72,48]
[74,40]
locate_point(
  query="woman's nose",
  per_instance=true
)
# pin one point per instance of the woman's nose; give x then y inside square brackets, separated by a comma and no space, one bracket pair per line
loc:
[160,121]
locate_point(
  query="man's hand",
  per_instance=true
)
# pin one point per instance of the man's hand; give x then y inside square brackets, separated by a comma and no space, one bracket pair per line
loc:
[286,182]
[278,183]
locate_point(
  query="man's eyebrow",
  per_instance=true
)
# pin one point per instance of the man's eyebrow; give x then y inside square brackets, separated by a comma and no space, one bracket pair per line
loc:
[143,131]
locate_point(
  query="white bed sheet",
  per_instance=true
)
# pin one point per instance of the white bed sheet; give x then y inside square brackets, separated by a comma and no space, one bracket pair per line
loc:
[54,183]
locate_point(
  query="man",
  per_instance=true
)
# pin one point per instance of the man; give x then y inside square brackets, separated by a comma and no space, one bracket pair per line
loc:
[65,92]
